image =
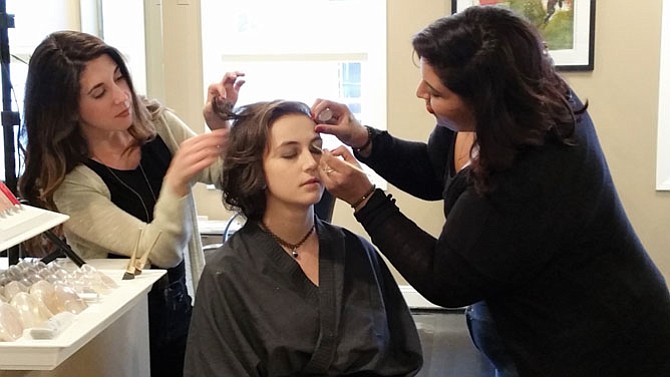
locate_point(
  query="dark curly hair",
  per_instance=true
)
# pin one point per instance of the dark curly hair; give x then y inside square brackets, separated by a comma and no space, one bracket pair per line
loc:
[497,63]
[243,179]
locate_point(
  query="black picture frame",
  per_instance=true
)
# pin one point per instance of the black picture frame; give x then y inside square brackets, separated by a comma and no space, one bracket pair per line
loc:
[574,18]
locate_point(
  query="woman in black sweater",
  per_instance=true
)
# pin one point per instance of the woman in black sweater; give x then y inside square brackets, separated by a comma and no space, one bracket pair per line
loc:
[535,227]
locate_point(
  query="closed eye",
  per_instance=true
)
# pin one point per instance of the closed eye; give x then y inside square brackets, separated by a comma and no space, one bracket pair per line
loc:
[289,156]
[98,93]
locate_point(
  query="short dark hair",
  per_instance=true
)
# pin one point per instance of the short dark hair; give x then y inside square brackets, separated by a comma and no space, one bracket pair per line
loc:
[243,179]
[497,63]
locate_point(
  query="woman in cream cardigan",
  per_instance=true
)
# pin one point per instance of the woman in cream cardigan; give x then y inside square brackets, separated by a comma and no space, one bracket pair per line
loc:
[121,166]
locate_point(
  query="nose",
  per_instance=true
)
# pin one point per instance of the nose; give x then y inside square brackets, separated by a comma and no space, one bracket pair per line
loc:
[421,91]
[311,162]
[121,96]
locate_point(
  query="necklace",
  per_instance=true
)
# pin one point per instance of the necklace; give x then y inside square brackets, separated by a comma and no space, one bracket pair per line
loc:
[290,246]
[127,186]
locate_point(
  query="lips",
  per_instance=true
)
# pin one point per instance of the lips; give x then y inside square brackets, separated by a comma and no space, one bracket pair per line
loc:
[124,113]
[311,181]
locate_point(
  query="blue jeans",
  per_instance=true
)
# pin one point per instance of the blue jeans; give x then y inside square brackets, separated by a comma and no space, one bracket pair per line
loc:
[486,338]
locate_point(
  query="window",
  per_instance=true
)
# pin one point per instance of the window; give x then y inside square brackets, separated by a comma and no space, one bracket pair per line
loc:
[123,28]
[30,27]
[301,50]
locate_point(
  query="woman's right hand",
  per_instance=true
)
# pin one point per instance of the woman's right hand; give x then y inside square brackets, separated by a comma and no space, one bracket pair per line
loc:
[342,124]
[193,156]
[225,91]
[341,179]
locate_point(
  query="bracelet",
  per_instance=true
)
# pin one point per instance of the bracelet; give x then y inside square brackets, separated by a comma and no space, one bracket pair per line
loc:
[365,196]
[368,142]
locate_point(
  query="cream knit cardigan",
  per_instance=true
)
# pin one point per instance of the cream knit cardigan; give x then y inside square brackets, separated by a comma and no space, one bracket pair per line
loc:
[97,226]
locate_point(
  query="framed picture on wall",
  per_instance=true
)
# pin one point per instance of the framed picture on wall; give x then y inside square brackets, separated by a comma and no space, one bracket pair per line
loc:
[567,27]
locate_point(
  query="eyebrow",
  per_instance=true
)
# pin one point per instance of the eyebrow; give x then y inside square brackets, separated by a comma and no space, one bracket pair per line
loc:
[116,70]
[431,87]
[287,144]
[294,142]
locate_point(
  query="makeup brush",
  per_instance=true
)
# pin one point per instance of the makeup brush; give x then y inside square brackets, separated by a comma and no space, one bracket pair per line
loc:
[130,269]
[139,264]
[345,162]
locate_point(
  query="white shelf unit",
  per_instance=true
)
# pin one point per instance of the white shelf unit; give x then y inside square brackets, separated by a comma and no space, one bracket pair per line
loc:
[26,222]
[110,337]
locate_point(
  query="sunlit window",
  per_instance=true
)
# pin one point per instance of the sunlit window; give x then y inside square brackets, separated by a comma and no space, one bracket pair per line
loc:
[301,50]
[123,28]
[30,27]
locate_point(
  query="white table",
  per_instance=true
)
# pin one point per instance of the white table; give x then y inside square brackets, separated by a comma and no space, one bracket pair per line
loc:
[109,338]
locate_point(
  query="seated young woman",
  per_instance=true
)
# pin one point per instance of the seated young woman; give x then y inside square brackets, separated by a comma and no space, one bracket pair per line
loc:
[289,294]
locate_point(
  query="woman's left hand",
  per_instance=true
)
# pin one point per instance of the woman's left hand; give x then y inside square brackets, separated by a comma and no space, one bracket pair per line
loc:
[342,123]
[193,156]
[227,91]
[340,178]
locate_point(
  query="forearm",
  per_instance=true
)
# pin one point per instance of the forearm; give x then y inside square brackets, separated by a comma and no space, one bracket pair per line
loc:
[405,164]
[172,228]
[483,249]
[212,174]
[410,249]
[196,158]
[98,227]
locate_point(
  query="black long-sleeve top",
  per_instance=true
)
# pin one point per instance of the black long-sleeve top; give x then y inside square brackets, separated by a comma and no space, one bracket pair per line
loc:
[569,284]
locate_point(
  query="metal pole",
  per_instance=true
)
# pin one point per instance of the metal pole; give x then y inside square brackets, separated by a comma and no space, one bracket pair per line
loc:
[9,118]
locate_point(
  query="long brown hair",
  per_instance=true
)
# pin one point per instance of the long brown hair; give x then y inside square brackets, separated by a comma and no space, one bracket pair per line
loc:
[52,144]
[497,63]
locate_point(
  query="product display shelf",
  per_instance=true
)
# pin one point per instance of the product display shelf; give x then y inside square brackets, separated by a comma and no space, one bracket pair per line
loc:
[25,222]
[114,328]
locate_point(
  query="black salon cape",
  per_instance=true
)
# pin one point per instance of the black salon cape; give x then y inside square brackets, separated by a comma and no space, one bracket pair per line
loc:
[257,314]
